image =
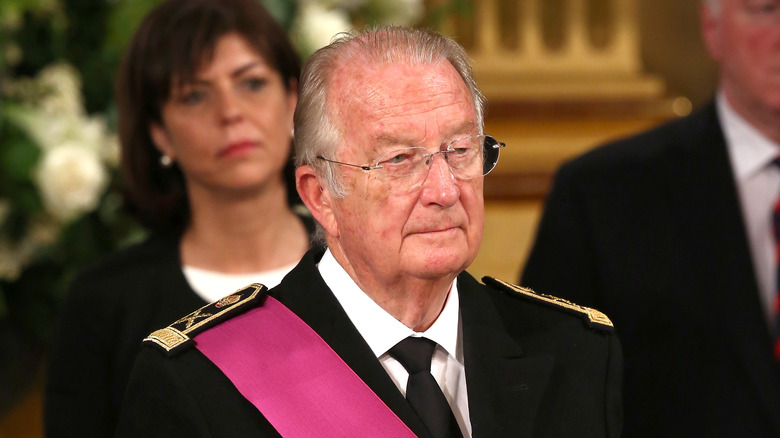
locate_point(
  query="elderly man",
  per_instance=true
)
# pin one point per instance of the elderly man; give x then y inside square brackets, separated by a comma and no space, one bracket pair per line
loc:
[384,334]
[670,233]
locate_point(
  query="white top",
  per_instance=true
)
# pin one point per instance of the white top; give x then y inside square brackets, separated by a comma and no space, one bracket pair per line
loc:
[758,185]
[213,285]
[382,331]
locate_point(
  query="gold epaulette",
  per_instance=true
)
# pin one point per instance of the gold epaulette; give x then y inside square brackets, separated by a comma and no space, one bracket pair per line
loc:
[176,336]
[594,318]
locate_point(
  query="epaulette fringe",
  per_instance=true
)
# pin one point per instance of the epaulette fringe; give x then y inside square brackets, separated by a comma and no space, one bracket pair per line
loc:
[176,336]
[594,318]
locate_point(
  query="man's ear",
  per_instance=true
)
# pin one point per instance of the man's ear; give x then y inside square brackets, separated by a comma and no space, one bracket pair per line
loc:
[160,139]
[317,199]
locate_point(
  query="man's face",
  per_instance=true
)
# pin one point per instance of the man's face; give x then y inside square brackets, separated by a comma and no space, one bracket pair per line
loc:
[390,233]
[744,37]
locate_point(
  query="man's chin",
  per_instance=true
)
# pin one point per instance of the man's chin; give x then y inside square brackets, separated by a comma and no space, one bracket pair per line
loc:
[435,264]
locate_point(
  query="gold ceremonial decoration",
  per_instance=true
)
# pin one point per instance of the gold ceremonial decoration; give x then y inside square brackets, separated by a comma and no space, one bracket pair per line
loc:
[179,332]
[594,316]
[167,338]
[190,319]
[227,301]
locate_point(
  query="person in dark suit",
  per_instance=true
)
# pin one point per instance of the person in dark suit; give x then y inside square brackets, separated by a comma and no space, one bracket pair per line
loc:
[206,95]
[669,232]
[391,160]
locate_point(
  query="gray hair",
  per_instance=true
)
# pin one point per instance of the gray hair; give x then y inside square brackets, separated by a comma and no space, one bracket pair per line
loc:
[315,131]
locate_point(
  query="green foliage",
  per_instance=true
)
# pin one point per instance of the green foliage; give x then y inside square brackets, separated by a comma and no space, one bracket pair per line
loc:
[123,21]
[283,10]
[437,15]
[17,156]
[40,254]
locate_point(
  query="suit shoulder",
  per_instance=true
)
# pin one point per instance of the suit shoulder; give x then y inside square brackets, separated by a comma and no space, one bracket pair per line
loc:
[624,156]
[117,277]
[592,317]
[177,337]
[129,261]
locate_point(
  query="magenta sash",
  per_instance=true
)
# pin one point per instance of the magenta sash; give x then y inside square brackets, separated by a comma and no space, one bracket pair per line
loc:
[304,389]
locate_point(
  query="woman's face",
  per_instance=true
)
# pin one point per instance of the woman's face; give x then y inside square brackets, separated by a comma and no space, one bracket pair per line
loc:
[230,129]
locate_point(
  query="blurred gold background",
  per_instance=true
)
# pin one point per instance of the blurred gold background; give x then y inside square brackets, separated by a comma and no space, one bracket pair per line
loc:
[574,74]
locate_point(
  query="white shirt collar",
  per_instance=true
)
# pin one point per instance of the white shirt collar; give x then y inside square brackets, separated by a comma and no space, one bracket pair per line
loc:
[750,151]
[380,329]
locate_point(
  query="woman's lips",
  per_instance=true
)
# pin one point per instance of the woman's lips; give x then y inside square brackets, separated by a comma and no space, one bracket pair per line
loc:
[237,149]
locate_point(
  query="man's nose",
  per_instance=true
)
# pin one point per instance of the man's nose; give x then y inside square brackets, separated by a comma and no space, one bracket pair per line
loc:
[440,185]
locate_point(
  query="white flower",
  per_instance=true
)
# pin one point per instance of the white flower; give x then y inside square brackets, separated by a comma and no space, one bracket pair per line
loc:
[316,26]
[52,130]
[399,12]
[90,132]
[53,113]
[71,179]
[110,152]
[62,88]
[49,131]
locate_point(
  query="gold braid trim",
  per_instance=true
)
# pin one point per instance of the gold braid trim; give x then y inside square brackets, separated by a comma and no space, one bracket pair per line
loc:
[594,316]
[176,334]
[167,338]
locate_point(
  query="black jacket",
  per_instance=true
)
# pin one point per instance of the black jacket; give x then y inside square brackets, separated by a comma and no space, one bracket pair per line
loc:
[110,308]
[532,369]
[649,230]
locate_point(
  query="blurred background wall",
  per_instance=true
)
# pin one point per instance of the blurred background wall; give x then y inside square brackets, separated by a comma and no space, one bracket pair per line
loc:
[549,103]
[573,75]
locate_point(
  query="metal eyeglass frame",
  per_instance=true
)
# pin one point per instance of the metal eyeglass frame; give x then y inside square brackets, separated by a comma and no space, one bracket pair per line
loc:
[489,161]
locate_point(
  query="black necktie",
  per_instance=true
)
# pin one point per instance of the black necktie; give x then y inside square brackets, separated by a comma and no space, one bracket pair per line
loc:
[422,391]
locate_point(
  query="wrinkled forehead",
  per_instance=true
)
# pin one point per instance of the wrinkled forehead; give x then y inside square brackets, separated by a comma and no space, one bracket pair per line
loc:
[368,100]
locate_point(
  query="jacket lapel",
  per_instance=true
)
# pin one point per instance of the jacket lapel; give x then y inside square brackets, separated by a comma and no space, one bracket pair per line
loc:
[305,293]
[505,386]
[705,200]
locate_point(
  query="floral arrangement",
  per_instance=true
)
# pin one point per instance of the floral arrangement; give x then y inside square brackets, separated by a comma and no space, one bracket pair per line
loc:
[59,207]
[65,154]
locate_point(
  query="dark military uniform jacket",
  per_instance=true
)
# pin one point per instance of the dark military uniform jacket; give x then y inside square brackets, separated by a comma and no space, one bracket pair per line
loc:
[534,368]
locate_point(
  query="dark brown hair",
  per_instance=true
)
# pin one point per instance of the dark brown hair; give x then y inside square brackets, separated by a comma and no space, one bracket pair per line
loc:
[173,41]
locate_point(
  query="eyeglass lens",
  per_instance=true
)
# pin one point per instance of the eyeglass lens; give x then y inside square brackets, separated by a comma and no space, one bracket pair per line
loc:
[410,165]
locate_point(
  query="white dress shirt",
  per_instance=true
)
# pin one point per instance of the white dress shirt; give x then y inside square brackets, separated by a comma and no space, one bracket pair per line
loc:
[758,184]
[382,331]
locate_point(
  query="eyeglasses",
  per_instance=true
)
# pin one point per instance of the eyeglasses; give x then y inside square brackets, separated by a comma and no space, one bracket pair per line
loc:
[467,157]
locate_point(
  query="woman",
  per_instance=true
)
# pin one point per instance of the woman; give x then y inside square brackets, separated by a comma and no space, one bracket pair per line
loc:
[206,96]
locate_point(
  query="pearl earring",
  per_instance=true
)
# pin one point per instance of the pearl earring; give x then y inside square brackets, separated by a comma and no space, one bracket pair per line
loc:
[166,161]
